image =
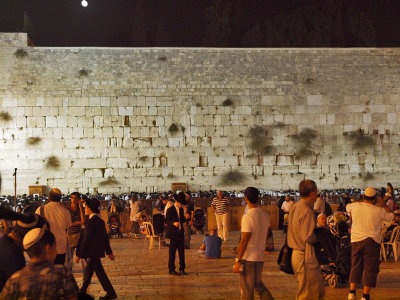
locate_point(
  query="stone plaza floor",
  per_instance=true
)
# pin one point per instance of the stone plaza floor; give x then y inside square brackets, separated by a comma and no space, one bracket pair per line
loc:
[140,273]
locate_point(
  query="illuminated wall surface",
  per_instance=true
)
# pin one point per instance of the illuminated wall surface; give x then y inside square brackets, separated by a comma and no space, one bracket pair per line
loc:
[122,119]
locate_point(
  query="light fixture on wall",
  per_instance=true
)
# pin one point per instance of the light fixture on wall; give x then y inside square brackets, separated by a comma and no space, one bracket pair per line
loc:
[84,3]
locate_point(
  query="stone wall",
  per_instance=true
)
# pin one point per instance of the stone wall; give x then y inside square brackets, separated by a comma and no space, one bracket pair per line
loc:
[106,114]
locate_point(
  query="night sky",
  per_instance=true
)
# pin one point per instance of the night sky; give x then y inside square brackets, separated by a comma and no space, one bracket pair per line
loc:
[206,23]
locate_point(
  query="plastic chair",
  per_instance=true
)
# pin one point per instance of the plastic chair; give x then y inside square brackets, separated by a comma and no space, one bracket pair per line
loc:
[394,241]
[150,235]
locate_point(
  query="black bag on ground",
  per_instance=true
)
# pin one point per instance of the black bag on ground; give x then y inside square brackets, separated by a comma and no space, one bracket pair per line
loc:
[285,259]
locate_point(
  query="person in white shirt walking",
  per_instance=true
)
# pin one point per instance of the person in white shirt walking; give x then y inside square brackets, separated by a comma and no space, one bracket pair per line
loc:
[366,227]
[250,254]
[60,221]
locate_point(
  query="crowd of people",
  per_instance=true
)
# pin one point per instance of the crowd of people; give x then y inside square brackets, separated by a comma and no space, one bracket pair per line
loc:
[51,233]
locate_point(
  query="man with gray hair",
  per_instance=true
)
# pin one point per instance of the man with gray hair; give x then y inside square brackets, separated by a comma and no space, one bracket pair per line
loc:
[300,237]
[221,206]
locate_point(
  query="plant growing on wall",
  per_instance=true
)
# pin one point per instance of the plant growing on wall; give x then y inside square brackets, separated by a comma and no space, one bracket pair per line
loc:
[52,162]
[83,73]
[303,141]
[32,141]
[368,176]
[259,141]
[173,129]
[361,140]
[109,181]
[20,53]
[5,116]
[232,178]
[143,158]
[227,102]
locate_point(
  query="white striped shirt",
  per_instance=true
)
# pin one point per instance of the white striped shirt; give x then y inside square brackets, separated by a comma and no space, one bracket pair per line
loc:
[221,205]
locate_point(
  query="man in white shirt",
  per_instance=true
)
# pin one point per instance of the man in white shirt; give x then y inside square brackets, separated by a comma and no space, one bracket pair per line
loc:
[287,205]
[250,259]
[367,221]
[319,205]
[59,219]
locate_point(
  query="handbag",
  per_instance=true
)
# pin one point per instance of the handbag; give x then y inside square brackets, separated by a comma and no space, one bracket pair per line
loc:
[285,259]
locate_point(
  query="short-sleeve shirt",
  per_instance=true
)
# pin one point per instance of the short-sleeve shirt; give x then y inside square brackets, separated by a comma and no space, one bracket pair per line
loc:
[213,246]
[75,217]
[59,219]
[367,221]
[287,205]
[42,280]
[257,222]
[319,205]
[221,205]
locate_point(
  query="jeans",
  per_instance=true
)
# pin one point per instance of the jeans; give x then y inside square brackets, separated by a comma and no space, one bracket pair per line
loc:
[250,279]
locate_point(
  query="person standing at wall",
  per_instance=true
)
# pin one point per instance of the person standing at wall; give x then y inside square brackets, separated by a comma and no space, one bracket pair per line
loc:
[221,206]
[250,254]
[366,227]
[60,221]
[300,237]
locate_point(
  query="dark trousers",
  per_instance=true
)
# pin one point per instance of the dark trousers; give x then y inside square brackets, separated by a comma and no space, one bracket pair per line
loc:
[95,265]
[60,259]
[176,244]
[365,262]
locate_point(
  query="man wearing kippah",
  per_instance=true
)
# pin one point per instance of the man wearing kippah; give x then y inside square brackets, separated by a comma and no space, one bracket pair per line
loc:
[366,227]
[59,219]
[11,250]
[41,279]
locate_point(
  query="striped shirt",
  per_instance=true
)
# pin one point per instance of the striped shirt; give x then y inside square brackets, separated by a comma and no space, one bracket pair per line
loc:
[221,205]
[75,217]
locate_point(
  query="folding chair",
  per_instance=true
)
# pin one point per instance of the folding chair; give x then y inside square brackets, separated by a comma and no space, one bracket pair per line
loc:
[150,235]
[393,242]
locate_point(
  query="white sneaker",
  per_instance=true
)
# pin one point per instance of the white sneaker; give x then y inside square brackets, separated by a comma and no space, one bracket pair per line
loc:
[351,296]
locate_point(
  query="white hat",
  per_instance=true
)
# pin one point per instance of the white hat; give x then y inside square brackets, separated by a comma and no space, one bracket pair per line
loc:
[32,237]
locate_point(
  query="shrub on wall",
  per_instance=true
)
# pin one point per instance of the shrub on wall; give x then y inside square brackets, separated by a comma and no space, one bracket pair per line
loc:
[5,116]
[109,181]
[259,141]
[227,102]
[33,141]
[52,162]
[303,141]
[232,178]
[361,140]
[20,53]
[173,129]
[83,73]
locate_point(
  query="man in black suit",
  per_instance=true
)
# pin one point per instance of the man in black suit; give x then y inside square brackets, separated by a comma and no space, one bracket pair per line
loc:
[92,245]
[174,221]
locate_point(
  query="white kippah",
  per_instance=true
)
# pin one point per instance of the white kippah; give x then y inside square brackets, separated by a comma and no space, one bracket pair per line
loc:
[32,237]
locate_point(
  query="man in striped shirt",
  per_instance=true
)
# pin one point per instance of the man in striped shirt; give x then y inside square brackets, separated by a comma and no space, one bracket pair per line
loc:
[221,207]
